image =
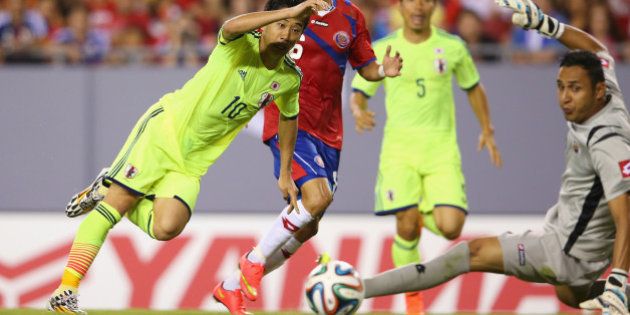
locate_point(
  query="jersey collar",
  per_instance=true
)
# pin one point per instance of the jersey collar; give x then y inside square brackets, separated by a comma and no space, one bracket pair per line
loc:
[431,37]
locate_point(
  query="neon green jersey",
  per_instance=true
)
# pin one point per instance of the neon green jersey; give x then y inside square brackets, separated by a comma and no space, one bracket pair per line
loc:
[420,101]
[212,107]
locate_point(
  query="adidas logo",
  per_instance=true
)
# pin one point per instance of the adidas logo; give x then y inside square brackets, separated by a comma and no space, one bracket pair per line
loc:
[243,73]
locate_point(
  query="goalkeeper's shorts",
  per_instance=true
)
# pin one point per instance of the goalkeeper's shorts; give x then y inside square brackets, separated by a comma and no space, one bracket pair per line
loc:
[150,165]
[538,257]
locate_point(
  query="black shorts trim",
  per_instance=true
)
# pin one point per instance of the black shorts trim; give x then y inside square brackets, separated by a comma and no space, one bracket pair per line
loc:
[294,117]
[185,204]
[127,188]
[451,206]
[362,92]
[388,212]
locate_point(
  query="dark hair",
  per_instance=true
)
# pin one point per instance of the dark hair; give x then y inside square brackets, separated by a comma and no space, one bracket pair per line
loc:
[279,4]
[587,61]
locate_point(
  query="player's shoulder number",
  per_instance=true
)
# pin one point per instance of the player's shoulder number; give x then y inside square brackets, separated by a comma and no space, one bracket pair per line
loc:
[298,49]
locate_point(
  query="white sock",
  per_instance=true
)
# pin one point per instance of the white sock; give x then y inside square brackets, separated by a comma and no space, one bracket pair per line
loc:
[280,256]
[285,225]
[233,282]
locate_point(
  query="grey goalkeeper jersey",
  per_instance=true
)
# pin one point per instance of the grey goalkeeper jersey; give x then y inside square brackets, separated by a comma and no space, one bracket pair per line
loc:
[598,170]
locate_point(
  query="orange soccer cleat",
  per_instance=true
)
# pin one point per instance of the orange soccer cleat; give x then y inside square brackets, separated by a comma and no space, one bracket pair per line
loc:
[414,303]
[233,300]
[251,276]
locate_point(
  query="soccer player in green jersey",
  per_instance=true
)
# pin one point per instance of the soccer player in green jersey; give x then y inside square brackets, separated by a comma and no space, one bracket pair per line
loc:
[154,180]
[420,158]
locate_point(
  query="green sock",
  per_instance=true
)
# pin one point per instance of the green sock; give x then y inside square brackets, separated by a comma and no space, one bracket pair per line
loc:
[142,216]
[405,252]
[93,230]
[87,242]
[428,222]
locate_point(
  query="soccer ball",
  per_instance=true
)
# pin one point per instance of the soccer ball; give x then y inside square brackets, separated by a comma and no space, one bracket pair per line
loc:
[334,288]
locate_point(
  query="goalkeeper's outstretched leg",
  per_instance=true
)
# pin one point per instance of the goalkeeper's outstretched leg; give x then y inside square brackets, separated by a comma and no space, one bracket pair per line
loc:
[588,230]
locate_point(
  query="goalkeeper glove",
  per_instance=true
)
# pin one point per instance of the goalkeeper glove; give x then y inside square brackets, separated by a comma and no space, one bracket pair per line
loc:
[614,300]
[529,16]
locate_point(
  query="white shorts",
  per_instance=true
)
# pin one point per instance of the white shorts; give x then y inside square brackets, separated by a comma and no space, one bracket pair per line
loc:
[538,257]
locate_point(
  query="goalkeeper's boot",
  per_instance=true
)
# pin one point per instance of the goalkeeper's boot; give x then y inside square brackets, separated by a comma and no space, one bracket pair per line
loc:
[65,302]
[251,276]
[233,300]
[414,303]
[84,201]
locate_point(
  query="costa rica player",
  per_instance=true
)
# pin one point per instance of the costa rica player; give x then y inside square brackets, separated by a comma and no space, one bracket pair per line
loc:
[333,38]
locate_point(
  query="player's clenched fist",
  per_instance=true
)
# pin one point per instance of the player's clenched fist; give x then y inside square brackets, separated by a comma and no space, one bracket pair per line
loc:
[527,15]
[308,7]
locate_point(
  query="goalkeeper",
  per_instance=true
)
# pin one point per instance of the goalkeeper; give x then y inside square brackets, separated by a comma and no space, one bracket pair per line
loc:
[588,229]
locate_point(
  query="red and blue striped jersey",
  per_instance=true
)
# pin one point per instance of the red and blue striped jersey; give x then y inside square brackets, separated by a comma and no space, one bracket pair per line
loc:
[329,42]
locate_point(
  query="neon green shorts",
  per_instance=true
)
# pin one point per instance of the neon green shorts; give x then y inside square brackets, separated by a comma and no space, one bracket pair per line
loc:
[150,162]
[412,180]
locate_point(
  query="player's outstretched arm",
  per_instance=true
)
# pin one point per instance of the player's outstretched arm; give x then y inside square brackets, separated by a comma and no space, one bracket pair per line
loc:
[248,22]
[528,16]
[575,38]
[363,116]
[390,67]
[287,135]
[614,299]
[479,102]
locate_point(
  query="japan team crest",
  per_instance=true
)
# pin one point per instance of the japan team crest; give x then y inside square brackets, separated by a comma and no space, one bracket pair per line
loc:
[440,65]
[130,171]
[265,99]
[342,39]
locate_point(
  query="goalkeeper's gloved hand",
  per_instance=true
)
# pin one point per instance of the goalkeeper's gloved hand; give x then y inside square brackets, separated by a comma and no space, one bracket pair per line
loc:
[614,300]
[528,16]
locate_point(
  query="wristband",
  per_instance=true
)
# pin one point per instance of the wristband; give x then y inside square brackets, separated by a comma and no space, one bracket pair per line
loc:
[381,71]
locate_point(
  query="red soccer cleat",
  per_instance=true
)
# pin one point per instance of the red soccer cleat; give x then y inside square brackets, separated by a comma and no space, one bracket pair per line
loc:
[233,300]
[251,275]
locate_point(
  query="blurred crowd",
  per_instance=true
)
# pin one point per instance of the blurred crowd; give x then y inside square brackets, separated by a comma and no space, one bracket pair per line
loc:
[183,32]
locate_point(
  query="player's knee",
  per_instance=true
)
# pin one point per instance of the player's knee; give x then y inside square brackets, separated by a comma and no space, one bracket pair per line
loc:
[408,229]
[451,233]
[475,248]
[450,230]
[408,224]
[486,255]
[316,205]
[166,231]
